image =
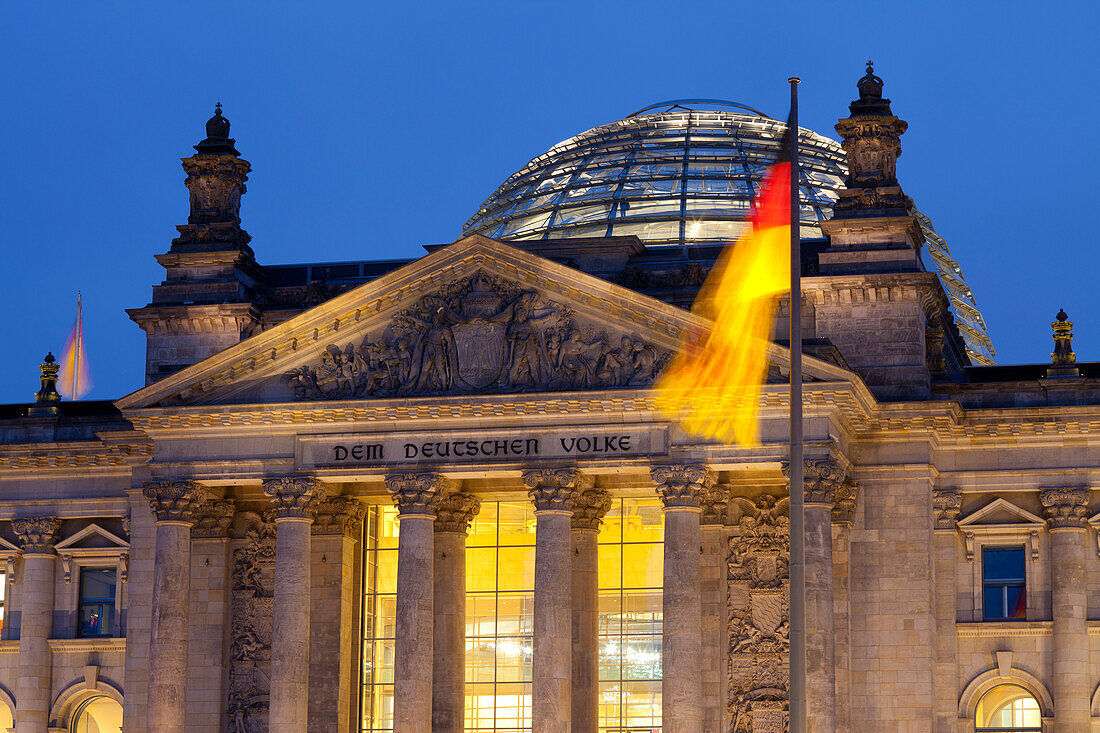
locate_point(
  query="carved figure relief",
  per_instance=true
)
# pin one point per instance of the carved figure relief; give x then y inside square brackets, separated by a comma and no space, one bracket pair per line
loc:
[479,334]
[251,626]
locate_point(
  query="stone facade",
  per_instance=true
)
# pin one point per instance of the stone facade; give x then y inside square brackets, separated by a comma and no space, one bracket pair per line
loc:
[229,495]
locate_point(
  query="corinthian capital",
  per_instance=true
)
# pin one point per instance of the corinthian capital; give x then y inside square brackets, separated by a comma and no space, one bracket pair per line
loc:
[212,518]
[681,485]
[822,480]
[713,502]
[1066,508]
[416,493]
[36,534]
[946,506]
[295,497]
[340,516]
[553,489]
[589,509]
[846,497]
[174,501]
[455,512]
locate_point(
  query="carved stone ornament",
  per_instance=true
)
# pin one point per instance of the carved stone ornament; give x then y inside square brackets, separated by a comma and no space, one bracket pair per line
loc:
[1066,508]
[553,489]
[213,518]
[455,512]
[713,502]
[946,506]
[340,516]
[821,480]
[295,497]
[417,493]
[846,499]
[36,534]
[589,509]
[251,626]
[174,501]
[681,485]
[480,334]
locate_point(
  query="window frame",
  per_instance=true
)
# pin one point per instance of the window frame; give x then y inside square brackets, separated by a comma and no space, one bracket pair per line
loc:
[1004,584]
[112,630]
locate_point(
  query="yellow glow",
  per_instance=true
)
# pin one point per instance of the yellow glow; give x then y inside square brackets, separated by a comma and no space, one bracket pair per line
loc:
[101,715]
[1008,708]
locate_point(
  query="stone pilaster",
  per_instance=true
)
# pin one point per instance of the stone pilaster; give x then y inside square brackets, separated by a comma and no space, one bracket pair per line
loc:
[713,590]
[36,535]
[553,492]
[452,520]
[843,514]
[416,496]
[173,504]
[680,488]
[589,509]
[1067,512]
[946,505]
[295,500]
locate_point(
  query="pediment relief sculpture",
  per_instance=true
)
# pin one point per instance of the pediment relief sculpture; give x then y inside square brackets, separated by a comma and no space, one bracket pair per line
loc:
[480,334]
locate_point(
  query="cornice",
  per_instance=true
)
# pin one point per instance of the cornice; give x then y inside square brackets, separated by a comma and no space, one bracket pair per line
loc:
[998,629]
[83,646]
[66,456]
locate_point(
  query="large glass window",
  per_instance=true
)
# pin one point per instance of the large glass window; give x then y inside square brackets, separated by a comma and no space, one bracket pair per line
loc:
[98,715]
[500,563]
[1004,595]
[96,609]
[1008,708]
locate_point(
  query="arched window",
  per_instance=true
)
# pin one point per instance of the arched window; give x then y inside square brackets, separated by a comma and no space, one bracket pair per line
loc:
[7,723]
[1008,708]
[97,715]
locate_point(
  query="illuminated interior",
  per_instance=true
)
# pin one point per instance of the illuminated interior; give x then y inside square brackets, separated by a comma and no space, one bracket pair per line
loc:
[1008,708]
[98,715]
[500,562]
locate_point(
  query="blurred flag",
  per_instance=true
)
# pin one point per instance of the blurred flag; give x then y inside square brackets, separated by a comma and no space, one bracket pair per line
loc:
[73,382]
[713,385]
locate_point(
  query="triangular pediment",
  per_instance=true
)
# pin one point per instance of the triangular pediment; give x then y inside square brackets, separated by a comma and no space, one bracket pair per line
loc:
[474,317]
[92,538]
[1000,513]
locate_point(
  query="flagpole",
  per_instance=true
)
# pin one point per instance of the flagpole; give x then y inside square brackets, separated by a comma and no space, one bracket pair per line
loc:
[797,700]
[77,344]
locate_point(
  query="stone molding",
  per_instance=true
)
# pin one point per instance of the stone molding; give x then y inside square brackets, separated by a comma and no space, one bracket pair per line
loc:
[681,485]
[340,516]
[87,646]
[822,480]
[553,489]
[174,501]
[36,534]
[846,499]
[455,512]
[295,497]
[589,509]
[714,501]
[1066,508]
[417,493]
[213,519]
[946,507]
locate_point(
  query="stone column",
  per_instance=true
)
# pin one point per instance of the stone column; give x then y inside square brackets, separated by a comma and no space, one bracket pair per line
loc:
[553,492]
[713,590]
[295,501]
[173,504]
[32,692]
[1067,513]
[822,481]
[680,488]
[453,516]
[946,505]
[416,496]
[589,509]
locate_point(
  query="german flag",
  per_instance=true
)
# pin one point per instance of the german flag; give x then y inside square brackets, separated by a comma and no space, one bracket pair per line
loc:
[713,385]
[73,382]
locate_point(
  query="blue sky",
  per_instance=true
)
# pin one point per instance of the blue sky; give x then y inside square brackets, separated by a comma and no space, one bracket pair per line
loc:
[375,128]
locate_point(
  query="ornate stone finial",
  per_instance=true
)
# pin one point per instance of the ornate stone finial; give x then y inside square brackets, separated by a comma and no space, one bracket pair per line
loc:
[553,489]
[46,398]
[213,518]
[589,509]
[1066,508]
[455,512]
[217,140]
[36,534]
[417,493]
[295,497]
[847,497]
[870,100]
[822,480]
[340,516]
[681,485]
[1063,355]
[946,506]
[713,502]
[174,501]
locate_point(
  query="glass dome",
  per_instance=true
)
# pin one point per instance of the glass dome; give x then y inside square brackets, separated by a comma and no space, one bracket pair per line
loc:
[674,173]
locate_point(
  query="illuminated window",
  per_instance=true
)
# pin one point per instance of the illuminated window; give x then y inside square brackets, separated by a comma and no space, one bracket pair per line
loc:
[3,600]
[1004,594]
[1008,708]
[98,715]
[379,614]
[96,610]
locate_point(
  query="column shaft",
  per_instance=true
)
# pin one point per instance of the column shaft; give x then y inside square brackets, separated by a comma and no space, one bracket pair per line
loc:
[946,684]
[290,627]
[168,634]
[715,641]
[33,687]
[585,648]
[820,652]
[412,666]
[681,693]
[1069,595]
[449,644]
[552,656]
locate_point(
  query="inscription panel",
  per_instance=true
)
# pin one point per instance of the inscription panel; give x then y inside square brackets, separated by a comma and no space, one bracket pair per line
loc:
[466,447]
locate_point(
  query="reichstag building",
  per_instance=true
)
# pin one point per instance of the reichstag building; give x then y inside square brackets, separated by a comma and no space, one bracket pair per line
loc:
[438,495]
